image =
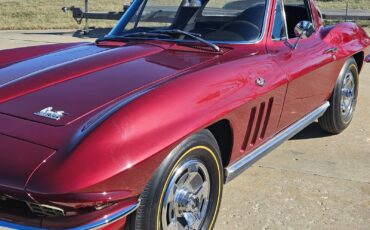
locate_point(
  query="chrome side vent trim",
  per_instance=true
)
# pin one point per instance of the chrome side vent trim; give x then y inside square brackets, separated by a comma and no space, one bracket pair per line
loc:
[241,165]
[42,210]
[45,210]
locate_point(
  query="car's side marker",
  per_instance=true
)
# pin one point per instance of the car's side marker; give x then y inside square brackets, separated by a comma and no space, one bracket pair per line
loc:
[367,58]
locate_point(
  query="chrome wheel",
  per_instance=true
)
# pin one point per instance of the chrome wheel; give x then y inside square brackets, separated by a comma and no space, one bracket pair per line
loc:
[348,97]
[187,197]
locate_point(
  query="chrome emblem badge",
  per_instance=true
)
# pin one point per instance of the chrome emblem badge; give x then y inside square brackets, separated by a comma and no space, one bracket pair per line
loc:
[49,113]
[260,81]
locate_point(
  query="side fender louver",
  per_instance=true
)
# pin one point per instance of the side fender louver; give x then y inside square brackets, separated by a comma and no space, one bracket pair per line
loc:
[257,125]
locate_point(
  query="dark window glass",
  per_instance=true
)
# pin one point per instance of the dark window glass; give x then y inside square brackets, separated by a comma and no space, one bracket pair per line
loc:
[214,20]
[296,11]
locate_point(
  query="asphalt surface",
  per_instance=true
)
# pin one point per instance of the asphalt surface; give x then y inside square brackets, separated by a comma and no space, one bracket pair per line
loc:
[313,181]
[338,14]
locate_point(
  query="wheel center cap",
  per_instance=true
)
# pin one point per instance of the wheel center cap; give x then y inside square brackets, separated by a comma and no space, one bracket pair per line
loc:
[347,93]
[185,201]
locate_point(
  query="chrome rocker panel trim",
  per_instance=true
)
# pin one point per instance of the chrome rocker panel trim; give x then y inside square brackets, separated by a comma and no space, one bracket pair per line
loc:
[241,165]
[93,225]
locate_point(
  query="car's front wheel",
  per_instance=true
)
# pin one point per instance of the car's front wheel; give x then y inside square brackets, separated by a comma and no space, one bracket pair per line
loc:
[185,192]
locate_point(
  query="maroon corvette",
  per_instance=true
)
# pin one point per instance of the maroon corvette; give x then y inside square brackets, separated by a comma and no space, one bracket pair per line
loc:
[142,129]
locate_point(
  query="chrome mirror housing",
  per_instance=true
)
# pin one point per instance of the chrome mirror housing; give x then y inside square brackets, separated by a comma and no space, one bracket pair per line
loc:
[304,29]
[191,3]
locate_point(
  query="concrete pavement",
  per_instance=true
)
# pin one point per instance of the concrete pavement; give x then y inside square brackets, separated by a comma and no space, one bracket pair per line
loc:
[313,181]
[20,38]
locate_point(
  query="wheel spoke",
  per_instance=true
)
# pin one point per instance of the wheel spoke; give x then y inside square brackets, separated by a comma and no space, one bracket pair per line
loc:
[172,226]
[181,227]
[344,92]
[203,190]
[193,219]
[347,79]
[171,197]
[193,182]
[182,179]
[348,96]
[193,168]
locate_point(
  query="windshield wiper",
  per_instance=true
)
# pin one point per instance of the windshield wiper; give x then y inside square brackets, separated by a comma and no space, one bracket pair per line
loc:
[146,34]
[138,35]
[189,34]
[160,33]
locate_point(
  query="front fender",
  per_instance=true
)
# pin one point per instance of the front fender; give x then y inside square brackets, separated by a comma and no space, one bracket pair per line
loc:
[124,151]
[348,37]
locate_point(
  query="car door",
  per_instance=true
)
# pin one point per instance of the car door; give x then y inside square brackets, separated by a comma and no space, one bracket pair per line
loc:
[310,67]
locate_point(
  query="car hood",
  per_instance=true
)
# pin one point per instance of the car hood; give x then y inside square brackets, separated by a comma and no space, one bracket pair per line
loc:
[85,78]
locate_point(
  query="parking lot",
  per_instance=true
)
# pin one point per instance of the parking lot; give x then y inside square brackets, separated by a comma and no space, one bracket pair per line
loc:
[313,181]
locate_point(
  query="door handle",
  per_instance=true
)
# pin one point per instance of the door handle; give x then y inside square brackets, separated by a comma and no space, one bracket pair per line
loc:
[331,50]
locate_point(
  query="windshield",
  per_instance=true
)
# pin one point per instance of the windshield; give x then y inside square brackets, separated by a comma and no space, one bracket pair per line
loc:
[213,20]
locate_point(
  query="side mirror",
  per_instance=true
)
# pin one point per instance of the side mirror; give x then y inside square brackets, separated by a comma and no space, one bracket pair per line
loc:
[303,30]
[191,3]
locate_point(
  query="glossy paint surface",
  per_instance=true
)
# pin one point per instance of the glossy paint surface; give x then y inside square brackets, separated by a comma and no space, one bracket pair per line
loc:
[129,104]
[18,160]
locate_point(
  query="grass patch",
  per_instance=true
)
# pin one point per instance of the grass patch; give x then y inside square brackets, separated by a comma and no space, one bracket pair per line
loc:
[47,14]
[341,4]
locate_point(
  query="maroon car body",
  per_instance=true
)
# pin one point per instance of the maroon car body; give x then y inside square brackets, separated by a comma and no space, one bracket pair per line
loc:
[128,104]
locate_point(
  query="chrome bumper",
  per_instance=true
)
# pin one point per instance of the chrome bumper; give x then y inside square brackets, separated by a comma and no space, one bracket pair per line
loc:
[106,220]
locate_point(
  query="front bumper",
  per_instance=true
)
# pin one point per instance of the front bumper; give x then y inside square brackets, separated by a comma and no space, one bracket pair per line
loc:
[97,224]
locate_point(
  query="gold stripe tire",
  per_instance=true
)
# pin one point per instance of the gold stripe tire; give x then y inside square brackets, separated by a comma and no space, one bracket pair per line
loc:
[200,147]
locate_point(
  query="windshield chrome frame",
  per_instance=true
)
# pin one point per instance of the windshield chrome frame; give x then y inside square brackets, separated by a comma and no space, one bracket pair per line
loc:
[284,18]
[129,13]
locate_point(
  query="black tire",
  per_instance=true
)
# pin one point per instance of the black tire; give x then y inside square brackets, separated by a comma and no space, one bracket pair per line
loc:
[333,121]
[200,147]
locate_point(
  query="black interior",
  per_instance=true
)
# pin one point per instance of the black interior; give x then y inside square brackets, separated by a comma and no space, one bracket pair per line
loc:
[247,26]
[254,10]
[295,14]
[240,4]
[240,20]
[183,16]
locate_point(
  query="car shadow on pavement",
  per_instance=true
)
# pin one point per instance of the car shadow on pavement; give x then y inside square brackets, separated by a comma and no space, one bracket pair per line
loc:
[311,131]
